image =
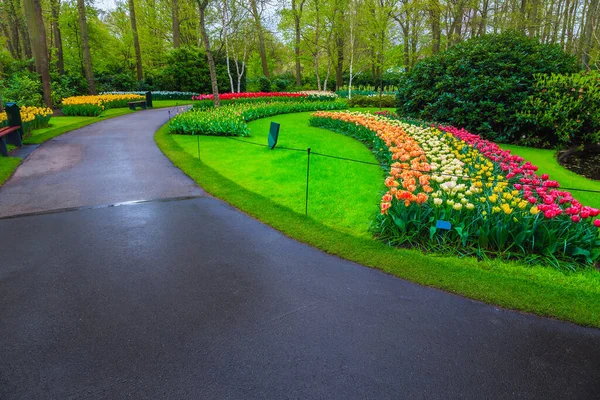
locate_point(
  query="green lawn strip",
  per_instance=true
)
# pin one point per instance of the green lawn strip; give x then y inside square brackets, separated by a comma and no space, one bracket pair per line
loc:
[170,103]
[8,165]
[569,296]
[547,163]
[61,125]
[280,174]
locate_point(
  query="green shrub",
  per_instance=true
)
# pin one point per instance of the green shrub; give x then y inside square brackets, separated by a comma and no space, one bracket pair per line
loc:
[230,120]
[264,84]
[564,110]
[24,88]
[480,84]
[281,84]
[386,100]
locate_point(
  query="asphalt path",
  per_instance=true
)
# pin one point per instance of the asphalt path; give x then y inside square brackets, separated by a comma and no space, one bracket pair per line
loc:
[111,161]
[188,298]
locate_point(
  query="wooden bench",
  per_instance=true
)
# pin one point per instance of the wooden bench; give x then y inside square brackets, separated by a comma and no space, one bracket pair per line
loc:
[12,133]
[133,104]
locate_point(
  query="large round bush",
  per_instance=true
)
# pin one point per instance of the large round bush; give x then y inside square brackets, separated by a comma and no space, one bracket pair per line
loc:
[480,84]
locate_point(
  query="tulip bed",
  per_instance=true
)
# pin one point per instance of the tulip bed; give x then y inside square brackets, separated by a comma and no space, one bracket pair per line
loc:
[205,101]
[31,117]
[496,202]
[92,106]
[230,120]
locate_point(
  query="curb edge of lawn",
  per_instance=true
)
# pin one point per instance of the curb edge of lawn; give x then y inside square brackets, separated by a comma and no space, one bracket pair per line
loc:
[536,290]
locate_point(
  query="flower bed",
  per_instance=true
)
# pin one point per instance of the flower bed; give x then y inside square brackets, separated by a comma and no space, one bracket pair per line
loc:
[230,120]
[161,94]
[495,202]
[31,117]
[92,106]
[206,100]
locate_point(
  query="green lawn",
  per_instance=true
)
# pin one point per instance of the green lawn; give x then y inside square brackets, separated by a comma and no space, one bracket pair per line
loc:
[343,195]
[170,103]
[7,167]
[267,185]
[546,161]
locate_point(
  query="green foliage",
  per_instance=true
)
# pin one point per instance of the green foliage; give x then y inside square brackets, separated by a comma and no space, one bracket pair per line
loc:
[186,70]
[82,110]
[374,100]
[264,84]
[25,88]
[230,120]
[564,110]
[480,84]
[204,104]
[281,84]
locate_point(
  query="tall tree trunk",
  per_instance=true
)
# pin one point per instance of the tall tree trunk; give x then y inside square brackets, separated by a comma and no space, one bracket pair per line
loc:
[175,24]
[225,17]
[563,32]
[85,48]
[60,62]
[588,34]
[37,37]
[136,41]
[261,38]
[317,50]
[297,12]
[436,32]
[202,4]
[339,69]
[26,44]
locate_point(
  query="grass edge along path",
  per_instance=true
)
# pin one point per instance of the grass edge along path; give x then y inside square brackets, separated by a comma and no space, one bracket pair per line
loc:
[8,165]
[572,297]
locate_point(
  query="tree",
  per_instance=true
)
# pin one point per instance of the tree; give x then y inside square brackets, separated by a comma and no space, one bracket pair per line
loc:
[175,23]
[297,6]
[261,37]
[85,48]
[136,41]
[202,5]
[60,62]
[37,37]
[588,34]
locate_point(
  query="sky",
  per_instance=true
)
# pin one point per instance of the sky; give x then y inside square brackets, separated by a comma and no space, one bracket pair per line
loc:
[105,4]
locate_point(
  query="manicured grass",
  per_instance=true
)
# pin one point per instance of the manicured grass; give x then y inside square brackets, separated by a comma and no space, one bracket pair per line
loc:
[280,175]
[60,125]
[7,167]
[547,163]
[545,291]
[170,103]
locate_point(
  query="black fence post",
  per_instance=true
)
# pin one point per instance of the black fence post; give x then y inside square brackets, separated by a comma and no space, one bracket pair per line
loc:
[307,177]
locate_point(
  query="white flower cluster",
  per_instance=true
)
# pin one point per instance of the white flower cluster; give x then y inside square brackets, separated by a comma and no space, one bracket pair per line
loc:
[320,93]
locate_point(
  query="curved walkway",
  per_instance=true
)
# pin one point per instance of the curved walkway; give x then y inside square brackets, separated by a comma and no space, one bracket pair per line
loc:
[192,299]
[108,162]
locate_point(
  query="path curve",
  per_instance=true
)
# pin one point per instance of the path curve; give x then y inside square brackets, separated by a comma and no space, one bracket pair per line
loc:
[192,299]
[108,162]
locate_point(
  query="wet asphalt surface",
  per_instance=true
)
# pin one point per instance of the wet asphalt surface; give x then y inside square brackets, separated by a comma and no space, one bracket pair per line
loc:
[191,299]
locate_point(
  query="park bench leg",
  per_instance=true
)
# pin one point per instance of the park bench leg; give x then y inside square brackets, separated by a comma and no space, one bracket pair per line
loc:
[14,139]
[143,105]
[3,148]
[132,107]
